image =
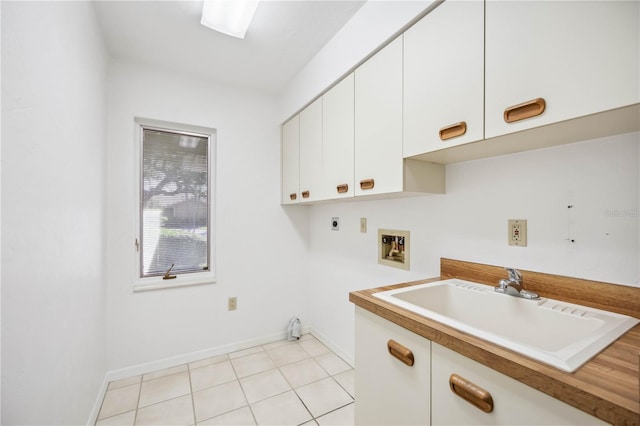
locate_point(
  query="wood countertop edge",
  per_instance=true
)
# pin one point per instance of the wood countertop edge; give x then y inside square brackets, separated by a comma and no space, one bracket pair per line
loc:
[566,387]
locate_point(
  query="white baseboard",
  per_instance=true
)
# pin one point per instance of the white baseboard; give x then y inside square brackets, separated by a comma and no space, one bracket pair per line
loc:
[348,358]
[93,417]
[161,364]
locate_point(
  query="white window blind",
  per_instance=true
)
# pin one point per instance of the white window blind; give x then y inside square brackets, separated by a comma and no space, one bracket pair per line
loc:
[175,209]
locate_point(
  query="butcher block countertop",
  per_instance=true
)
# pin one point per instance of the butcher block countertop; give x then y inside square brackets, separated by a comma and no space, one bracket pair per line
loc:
[607,386]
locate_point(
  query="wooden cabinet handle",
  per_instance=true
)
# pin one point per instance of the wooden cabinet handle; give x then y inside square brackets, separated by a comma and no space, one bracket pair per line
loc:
[453,130]
[367,184]
[305,194]
[401,352]
[293,196]
[471,393]
[524,110]
[342,188]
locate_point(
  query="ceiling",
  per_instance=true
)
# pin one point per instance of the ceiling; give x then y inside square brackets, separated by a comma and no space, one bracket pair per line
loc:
[282,38]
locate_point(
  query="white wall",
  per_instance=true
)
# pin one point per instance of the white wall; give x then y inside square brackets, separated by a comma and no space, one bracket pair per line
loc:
[374,23]
[0,204]
[53,299]
[261,246]
[599,178]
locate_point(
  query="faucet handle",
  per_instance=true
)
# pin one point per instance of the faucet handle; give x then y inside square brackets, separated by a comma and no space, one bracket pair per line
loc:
[514,274]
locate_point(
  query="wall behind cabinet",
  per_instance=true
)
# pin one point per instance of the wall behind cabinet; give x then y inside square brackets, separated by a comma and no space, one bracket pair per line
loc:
[599,178]
[373,24]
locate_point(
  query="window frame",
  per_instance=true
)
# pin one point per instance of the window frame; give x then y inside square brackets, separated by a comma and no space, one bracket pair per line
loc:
[141,283]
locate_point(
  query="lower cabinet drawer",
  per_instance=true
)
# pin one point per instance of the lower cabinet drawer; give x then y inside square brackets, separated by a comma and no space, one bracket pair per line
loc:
[479,389]
[392,373]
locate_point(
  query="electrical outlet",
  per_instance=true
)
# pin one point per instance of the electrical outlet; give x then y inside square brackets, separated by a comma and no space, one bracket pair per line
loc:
[363,225]
[232,303]
[335,223]
[518,232]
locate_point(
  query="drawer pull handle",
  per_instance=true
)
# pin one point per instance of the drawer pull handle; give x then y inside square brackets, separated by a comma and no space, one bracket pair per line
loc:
[401,352]
[453,130]
[524,110]
[305,194]
[367,184]
[293,196]
[342,188]
[471,393]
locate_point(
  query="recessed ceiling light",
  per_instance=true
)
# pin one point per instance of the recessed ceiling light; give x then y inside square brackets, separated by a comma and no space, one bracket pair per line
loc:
[231,17]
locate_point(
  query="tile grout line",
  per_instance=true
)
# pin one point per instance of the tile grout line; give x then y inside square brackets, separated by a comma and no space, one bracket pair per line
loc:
[241,388]
[135,416]
[334,410]
[99,419]
[164,400]
[343,388]
[285,377]
[101,406]
[314,418]
[289,383]
[193,403]
[297,343]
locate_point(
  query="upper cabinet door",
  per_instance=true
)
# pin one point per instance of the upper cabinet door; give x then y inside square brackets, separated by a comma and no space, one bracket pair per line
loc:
[378,122]
[311,152]
[549,61]
[444,78]
[291,161]
[337,139]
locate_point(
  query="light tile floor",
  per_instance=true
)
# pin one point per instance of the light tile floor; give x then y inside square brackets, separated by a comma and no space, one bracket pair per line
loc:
[281,383]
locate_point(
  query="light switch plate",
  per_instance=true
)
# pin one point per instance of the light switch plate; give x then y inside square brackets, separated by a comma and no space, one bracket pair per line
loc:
[335,223]
[517,232]
[363,225]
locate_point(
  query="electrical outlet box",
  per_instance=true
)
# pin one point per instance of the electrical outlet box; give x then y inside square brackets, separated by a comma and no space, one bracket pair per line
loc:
[517,232]
[393,248]
[363,225]
[335,223]
[232,303]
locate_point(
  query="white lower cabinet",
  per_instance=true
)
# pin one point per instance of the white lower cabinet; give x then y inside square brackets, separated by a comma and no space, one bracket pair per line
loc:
[388,391]
[513,403]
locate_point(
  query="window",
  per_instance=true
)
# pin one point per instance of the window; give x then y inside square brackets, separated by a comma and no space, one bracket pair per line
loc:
[174,242]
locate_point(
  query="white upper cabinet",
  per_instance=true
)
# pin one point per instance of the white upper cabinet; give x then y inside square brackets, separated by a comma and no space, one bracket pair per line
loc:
[311,152]
[291,161]
[566,58]
[378,122]
[338,135]
[443,78]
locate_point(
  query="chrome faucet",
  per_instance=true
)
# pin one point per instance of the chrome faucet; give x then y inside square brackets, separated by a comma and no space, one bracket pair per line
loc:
[513,286]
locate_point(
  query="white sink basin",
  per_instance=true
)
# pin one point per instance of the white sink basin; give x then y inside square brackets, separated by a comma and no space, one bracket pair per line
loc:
[560,334]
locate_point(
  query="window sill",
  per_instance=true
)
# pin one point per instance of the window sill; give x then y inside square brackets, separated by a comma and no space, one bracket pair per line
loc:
[184,280]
